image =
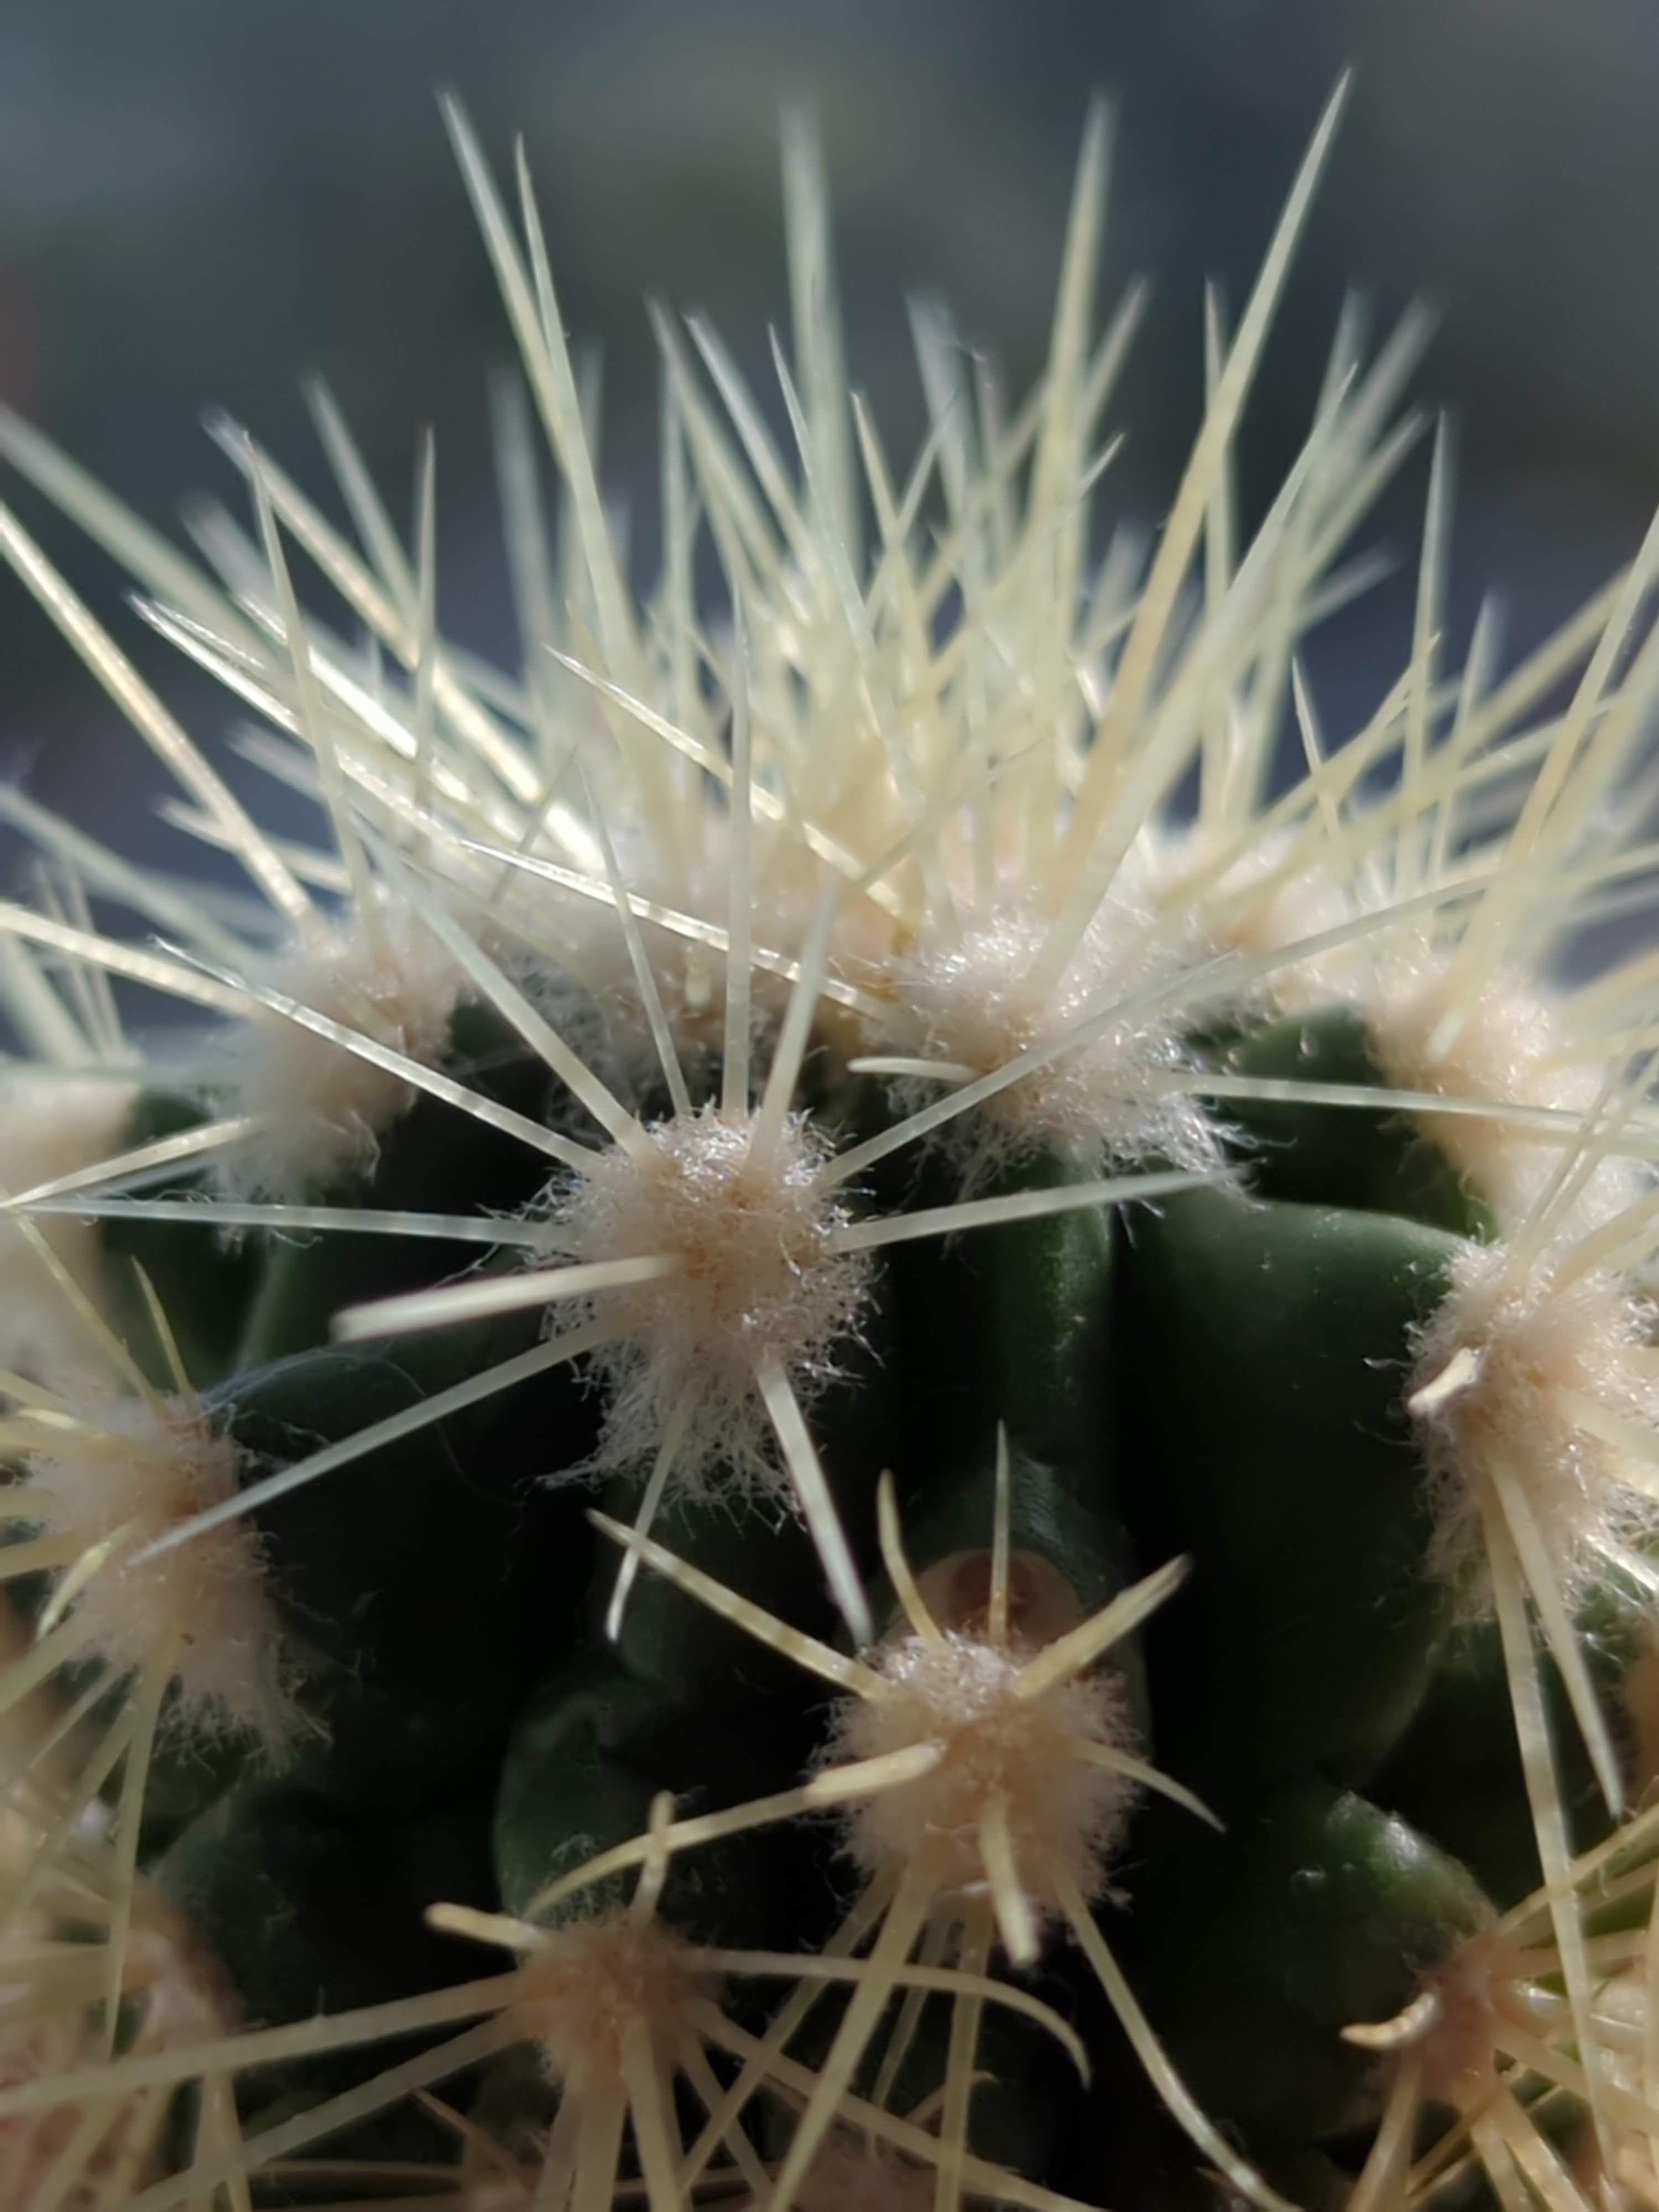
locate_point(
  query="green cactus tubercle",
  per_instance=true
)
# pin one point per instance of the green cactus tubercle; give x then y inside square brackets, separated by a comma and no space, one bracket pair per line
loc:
[858,1427]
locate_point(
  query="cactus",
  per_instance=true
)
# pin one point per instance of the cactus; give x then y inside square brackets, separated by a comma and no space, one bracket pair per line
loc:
[864,1427]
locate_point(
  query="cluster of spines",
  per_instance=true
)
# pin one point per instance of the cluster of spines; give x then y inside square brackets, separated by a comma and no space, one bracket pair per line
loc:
[847,833]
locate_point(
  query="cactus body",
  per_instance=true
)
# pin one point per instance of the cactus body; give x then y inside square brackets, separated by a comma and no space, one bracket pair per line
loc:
[835,1454]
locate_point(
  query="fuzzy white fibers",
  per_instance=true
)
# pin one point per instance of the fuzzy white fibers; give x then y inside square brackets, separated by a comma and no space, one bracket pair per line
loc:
[757,1278]
[130,1472]
[597,1981]
[1066,1814]
[325,1109]
[1253,902]
[51,1124]
[1510,1049]
[967,996]
[1539,1359]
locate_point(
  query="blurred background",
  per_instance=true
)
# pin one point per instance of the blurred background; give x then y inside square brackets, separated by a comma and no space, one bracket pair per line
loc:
[203,200]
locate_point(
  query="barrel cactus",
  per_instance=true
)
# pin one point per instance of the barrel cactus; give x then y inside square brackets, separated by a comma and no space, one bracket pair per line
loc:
[863,1424]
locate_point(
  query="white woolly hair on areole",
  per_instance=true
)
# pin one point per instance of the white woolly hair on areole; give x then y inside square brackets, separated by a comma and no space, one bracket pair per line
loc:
[754,1279]
[1270,898]
[117,1475]
[969,997]
[53,1122]
[1511,1048]
[1531,1386]
[594,1985]
[1065,1815]
[322,1109]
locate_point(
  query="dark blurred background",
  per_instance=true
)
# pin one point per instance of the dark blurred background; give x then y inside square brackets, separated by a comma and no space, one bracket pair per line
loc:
[201,200]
